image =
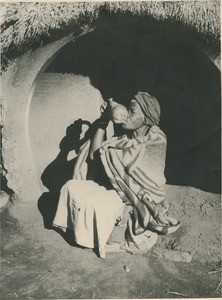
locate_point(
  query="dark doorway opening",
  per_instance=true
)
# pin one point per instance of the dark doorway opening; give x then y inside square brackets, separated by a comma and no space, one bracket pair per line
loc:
[125,54]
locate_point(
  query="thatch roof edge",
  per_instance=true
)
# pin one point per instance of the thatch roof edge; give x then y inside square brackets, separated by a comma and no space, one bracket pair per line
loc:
[28,24]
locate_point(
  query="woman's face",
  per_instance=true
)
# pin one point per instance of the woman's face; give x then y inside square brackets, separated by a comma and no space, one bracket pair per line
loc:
[135,118]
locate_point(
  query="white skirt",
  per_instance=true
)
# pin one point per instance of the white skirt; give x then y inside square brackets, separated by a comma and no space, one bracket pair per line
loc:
[90,211]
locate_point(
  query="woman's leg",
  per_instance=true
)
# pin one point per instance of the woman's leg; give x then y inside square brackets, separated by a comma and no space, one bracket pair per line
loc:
[90,211]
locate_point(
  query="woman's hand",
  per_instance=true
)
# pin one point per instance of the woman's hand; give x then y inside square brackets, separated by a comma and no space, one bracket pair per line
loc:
[104,109]
[101,124]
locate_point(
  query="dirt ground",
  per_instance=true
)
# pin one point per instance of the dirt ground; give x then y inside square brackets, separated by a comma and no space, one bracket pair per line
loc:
[37,263]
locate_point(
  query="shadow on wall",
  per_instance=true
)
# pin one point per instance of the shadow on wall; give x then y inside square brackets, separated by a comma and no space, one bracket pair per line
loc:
[126,54]
[59,171]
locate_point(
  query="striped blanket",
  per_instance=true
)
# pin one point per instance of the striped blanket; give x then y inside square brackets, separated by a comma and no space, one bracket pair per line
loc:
[135,167]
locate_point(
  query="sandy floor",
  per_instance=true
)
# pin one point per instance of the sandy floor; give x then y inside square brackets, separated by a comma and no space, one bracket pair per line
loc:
[39,264]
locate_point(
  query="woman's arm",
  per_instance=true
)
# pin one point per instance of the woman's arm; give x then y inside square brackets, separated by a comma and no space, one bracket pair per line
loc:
[97,140]
[100,132]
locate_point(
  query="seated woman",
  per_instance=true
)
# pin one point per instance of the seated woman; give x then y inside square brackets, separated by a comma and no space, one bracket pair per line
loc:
[134,196]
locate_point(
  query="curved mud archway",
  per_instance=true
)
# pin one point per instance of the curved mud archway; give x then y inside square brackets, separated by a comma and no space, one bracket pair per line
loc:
[17,87]
[122,55]
[62,109]
[129,53]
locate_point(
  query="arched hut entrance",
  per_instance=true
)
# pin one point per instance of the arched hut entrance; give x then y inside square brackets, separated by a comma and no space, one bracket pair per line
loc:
[123,54]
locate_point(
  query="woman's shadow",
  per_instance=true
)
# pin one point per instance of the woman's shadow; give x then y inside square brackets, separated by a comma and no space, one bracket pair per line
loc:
[59,171]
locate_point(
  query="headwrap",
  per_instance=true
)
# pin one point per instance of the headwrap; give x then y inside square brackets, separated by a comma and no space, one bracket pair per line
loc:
[150,107]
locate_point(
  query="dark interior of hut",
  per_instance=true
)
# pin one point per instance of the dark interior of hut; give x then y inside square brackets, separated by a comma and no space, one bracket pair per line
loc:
[125,54]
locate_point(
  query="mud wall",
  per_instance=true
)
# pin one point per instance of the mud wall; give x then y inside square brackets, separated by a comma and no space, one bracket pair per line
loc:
[59,100]
[17,87]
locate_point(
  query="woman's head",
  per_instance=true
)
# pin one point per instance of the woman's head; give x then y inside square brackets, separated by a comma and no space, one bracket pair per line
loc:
[143,110]
[135,118]
[150,107]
